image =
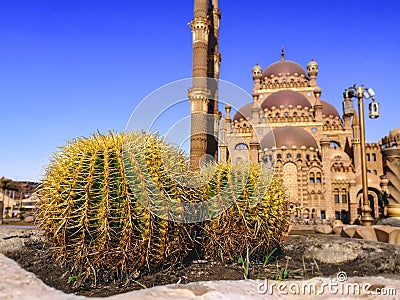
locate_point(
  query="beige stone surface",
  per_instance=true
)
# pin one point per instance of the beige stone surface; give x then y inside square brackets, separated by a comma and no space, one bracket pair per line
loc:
[366,233]
[394,237]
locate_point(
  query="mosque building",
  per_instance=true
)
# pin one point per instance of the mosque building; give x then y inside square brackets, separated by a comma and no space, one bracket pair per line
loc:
[314,148]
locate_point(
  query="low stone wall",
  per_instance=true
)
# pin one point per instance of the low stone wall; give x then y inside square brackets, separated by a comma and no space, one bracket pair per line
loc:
[322,228]
[379,233]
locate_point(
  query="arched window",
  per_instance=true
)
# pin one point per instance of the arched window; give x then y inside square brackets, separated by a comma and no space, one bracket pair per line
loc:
[373,157]
[368,157]
[369,171]
[289,156]
[318,179]
[241,146]
[313,213]
[298,155]
[336,196]
[374,172]
[344,196]
[312,177]
[279,156]
[334,144]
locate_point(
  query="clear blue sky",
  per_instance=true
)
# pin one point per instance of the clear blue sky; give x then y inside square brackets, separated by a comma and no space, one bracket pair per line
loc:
[70,68]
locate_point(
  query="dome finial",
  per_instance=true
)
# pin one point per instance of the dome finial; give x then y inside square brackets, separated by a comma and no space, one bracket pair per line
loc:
[283,54]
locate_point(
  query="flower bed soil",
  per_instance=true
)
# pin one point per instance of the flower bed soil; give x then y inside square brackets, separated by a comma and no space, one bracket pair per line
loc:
[291,263]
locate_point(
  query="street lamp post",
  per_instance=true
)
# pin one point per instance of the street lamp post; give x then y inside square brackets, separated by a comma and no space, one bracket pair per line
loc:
[360,93]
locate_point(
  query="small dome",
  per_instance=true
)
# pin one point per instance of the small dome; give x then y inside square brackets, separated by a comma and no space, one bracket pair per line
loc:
[373,181]
[337,155]
[244,112]
[394,132]
[285,98]
[257,72]
[329,110]
[257,67]
[288,136]
[312,63]
[317,90]
[284,67]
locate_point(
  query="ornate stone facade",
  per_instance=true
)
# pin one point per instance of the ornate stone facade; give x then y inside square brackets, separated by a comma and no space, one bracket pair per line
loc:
[313,148]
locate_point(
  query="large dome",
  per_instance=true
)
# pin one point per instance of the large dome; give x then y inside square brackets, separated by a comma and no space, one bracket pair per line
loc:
[288,136]
[285,98]
[284,67]
[329,110]
[244,112]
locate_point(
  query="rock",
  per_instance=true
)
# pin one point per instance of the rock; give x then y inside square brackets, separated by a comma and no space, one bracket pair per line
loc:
[14,239]
[299,227]
[338,229]
[325,229]
[390,222]
[366,233]
[349,231]
[29,219]
[334,253]
[382,233]
[337,222]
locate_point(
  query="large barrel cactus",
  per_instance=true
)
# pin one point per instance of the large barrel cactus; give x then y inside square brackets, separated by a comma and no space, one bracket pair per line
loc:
[93,205]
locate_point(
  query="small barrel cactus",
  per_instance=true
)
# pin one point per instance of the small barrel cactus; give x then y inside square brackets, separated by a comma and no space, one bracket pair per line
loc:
[93,205]
[255,222]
